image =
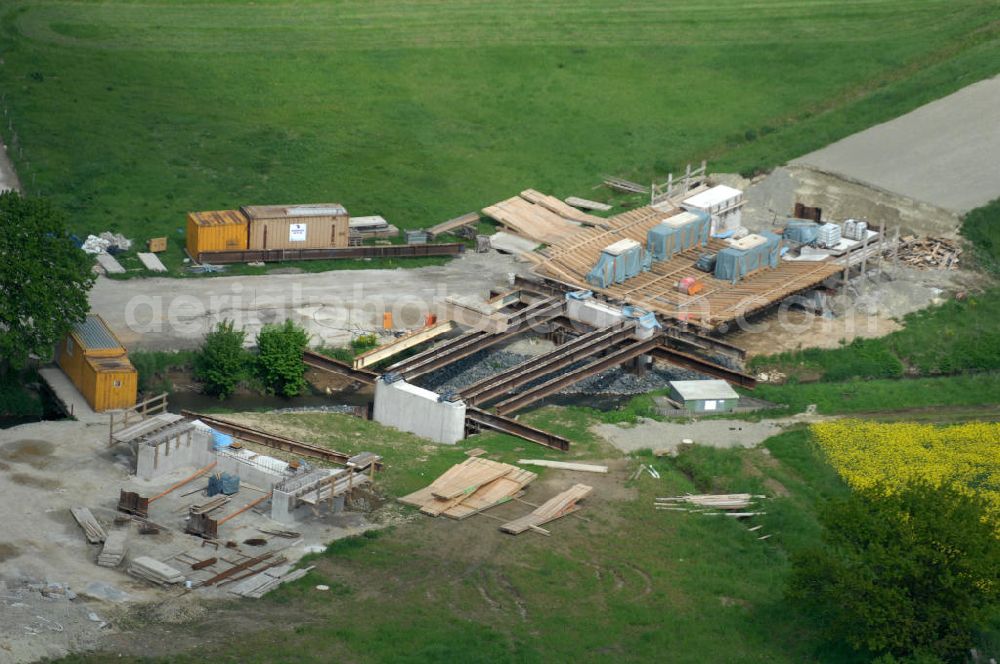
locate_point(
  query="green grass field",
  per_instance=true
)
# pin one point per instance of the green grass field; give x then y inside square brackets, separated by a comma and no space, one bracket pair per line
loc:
[129,114]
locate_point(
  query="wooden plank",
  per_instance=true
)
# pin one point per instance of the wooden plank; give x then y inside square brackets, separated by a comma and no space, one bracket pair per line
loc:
[587,204]
[564,465]
[554,508]
[472,474]
[405,342]
[93,530]
[453,224]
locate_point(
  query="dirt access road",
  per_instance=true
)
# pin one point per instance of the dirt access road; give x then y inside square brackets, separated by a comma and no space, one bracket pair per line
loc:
[943,153]
[166,314]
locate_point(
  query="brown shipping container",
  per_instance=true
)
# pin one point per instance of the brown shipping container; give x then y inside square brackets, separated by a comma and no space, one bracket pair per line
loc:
[298,226]
[98,365]
[219,230]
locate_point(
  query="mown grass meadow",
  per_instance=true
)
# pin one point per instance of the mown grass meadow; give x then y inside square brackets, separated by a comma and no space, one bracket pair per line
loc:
[130,114]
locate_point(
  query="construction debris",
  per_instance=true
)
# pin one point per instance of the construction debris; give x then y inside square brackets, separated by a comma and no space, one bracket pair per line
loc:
[554,508]
[154,571]
[929,252]
[114,549]
[586,204]
[470,487]
[564,465]
[106,243]
[91,528]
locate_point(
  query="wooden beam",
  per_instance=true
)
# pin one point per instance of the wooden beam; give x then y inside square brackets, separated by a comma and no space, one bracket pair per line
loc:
[376,355]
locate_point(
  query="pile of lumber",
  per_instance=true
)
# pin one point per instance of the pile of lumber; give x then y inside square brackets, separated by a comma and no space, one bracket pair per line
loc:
[470,487]
[114,549]
[209,505]
[154,571]
[91,528]
[530,221]
[929,252]
[540,217]
[725,502]
[554,508]
[260,584]
[553,204]
[372,226]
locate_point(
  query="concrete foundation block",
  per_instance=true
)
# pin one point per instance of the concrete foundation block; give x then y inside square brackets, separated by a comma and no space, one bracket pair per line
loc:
[418,411]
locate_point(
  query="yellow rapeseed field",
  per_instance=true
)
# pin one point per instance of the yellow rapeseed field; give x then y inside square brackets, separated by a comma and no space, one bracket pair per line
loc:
[891,455]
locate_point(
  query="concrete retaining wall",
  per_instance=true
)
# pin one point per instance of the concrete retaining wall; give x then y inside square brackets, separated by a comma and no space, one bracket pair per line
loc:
[156,460]
[418,411]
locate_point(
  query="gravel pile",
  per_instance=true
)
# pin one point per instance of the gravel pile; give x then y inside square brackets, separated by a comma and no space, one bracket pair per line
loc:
[614,381]
[343,409]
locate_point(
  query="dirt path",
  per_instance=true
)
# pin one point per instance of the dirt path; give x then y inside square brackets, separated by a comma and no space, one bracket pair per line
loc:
[651,434]
[943,153]
[8,177]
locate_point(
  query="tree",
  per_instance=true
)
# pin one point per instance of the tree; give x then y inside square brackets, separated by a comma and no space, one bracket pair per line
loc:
[44,279]
[279,358]
[909,574]
[222,362]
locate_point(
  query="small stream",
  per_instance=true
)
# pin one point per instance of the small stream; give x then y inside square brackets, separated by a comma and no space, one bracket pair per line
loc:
[198,402]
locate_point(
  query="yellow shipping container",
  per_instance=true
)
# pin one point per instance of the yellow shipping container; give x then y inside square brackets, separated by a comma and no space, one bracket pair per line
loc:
[98,365]
[110,383]
[219,230]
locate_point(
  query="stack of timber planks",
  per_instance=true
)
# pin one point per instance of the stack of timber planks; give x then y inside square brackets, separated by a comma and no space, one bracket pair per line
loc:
[154,571]
[114,549]
[91,528]
[470,487]
[209,505]
[552,509]
[260,584]
[727,501]
[540,217]
[553,204]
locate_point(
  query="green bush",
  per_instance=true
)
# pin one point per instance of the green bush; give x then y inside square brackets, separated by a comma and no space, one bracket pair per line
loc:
[980,227]
[364,342]
[16,399]
[911,574]
[153,365]
[222,362]
[279,358]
